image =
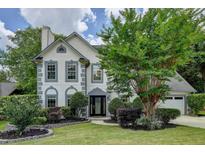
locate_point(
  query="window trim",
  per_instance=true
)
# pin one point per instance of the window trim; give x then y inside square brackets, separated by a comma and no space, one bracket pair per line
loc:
[61,46]
[66,71]
[68,95]
[46,96]
[92,79]
[46,71]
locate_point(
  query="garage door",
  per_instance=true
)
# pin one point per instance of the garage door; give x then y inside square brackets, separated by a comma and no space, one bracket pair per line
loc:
[176,102]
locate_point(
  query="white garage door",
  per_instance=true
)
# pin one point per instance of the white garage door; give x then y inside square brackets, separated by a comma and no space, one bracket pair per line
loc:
[176,102]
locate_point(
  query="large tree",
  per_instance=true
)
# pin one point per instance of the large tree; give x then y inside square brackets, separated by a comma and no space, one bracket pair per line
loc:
[142,51]
[18,59]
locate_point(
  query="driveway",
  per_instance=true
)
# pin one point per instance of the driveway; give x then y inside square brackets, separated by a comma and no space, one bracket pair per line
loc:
[190,121]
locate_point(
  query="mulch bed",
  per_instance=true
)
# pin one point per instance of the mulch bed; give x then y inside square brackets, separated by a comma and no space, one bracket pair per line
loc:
[13,134]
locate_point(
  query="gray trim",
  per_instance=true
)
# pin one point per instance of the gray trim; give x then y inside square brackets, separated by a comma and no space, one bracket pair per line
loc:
[92,80]
[66,71]
[56,71]
[61,46]
[46,96]
[67,96]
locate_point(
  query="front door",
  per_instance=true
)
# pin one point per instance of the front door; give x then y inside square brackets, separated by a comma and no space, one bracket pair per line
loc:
[97,105]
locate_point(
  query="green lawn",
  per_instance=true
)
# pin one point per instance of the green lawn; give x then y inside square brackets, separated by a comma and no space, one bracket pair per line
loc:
[88,133]
[2,125]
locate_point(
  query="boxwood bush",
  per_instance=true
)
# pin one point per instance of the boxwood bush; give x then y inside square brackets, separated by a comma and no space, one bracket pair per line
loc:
[77,102]
[66,111]
[196,102]
[137,103]
[114,105]
[166,114]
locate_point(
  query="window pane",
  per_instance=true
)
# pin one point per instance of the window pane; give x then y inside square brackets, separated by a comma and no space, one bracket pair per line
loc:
[97,73]
[51,101]
[71,71]
[51,71]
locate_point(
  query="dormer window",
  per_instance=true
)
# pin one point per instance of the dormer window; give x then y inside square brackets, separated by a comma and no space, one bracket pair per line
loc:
[61,49]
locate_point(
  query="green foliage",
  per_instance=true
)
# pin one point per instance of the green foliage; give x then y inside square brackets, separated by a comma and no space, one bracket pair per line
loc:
[152,46]
[165,114]
[114,105]
[27,44]
[43,112]
[66,111]
[148,123]
[137,103]
[196,102]
[21,110]
[39,120]
[78,101]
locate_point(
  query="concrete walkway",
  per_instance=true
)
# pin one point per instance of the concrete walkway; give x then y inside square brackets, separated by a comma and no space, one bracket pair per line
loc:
[190,121]
[100,121]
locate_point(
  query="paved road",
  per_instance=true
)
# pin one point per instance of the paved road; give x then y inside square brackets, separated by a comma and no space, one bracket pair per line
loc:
[190,121]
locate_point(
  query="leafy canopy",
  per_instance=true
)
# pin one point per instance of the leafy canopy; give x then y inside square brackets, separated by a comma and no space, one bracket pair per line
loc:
[142,52]
[18,59]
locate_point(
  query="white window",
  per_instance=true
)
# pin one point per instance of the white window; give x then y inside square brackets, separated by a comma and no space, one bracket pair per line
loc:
[51,100]
[72,71]
[51,71]
[97,74]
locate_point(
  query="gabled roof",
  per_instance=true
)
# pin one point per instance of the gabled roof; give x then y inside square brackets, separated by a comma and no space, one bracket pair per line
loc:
[6,88]
[97,92]
[81,38]
[54,43]
[179,84]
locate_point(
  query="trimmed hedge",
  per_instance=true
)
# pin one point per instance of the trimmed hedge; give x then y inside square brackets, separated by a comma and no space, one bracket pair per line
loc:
[167,114]
[196,102]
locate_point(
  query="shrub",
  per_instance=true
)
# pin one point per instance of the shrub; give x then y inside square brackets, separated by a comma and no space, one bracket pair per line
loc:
[39,120]
[21,110]
[137,103]
[44,112]
[77,102]
[66,111]
[148,123]
[5,99]
[196,102]
[127,116]
[54,114]
[114,105]
[165,114]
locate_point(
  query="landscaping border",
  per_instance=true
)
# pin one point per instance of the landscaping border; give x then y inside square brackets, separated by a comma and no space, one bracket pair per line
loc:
[5,141]
[57,125]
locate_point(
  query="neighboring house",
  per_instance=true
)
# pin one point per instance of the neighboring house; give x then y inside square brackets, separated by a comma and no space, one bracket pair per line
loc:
[7,88]
[70,65]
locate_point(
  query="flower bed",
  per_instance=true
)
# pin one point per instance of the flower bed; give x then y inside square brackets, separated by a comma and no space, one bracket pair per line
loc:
[11,136]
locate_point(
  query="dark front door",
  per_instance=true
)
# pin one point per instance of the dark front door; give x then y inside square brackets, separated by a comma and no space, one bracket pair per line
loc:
[97,105]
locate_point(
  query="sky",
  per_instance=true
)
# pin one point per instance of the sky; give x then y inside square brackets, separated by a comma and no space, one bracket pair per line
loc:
[87,22]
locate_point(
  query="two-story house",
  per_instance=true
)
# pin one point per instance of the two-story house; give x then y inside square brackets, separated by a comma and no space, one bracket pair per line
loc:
[65,66]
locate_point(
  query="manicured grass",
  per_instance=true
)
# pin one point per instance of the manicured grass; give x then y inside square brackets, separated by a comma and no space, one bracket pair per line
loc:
[98,134]
[3,125]
[201,113]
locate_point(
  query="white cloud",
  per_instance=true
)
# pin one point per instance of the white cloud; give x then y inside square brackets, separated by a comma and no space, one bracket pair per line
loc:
[115,12]
[4,33]
[63,21]
[94,40]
